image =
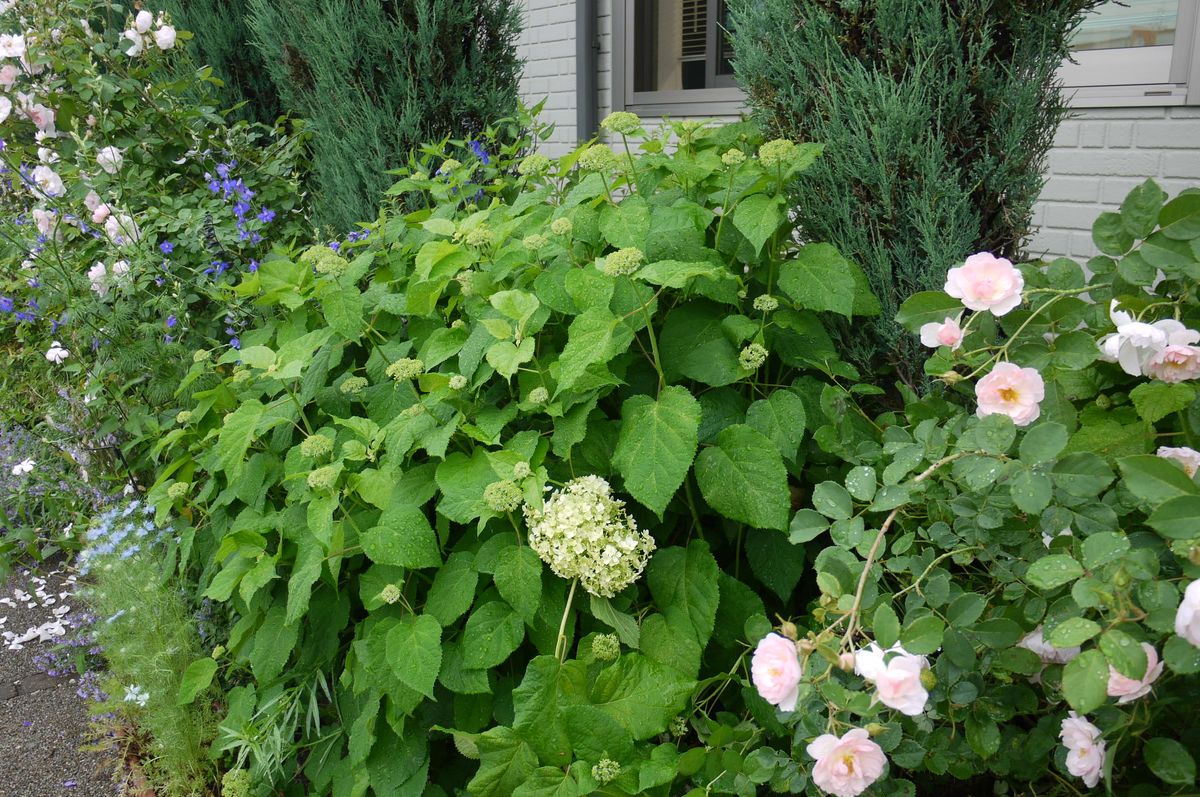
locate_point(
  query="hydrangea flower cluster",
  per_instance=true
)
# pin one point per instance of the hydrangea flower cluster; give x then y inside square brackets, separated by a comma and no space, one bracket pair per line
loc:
[583,532]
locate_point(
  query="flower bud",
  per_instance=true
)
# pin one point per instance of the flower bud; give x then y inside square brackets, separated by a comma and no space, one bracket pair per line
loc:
[874,728]
[951,377]
[928,679]
[788,629]
[846,662]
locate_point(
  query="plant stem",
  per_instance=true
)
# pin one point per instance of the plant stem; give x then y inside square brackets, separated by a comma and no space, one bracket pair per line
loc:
[560,646]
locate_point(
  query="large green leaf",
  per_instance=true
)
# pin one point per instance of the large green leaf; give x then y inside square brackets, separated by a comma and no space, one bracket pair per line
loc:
[453,588]
[519,578]
[684,585]
[927,307]
[196,678]
[414,650]
[757,217]
[643,696]
[462,480]
[403,538]
[547,687]
[273,644]
[1155,479]
[506,761]
[1170,761]
[1156,400]
[594,337]
[744,479]
[1085,681]
[780,416]
[1051,572]
[1178,518]
[493,632]
[693,345]
[819,278]
[343,307]
[656,445]
[237,433]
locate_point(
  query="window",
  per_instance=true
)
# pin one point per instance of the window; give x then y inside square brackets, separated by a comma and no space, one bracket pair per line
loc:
[1135,53]
[672,57]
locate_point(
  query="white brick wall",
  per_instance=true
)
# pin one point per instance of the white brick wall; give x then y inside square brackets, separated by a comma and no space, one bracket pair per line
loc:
[1099,154]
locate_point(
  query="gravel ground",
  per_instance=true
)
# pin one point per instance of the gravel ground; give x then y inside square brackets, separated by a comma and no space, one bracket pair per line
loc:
[43,724]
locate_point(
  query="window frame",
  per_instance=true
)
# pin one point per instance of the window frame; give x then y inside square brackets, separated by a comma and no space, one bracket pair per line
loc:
[1182,86]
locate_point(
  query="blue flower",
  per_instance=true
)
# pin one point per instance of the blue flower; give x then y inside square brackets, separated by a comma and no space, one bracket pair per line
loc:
[334,245]
[6,304]
[167,247]
[266,215]
[23,316]
[480,152]
[234,343]
[253,266]
[171,321]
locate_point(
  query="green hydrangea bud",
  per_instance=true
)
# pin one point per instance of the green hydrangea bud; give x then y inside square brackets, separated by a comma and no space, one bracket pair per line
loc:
[621,122]
[184,417]
[503,496]
[597,158]
[178,490]
[405,368]
[539,395]
[324,260]
[679,726]
[458,323]
[478,237]
[390,594]
[236,783]
[778,152]
[201,356]
[766,304]
[354,385]
[752,357]
[533,165]
[561,226]
[458,382]
[240,375]
[413,410]
[535,242]
[522,470]
[464,282]
[606,647]
[323,478]
[733,157]
[623,261]
[316,446]
[449,165]
[606,770]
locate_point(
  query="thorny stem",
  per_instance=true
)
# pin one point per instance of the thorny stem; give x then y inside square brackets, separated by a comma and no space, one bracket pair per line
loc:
[560,646]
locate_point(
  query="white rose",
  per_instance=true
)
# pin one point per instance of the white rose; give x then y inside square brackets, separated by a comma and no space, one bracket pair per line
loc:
[137,43]
[1187,618]
[47,182]
[109,159]
[1085,749]
[143,21]
[6,107]
[164,37]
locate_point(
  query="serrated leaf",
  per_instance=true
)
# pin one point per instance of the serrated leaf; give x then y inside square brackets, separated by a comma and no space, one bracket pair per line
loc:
[1110,235]
[273,644]
[1180,218]
[781,417]
[1085,681]
[1031,492]
[403,538]
[1156,400]
[832,500]
[493,632]
[923,635]
[1155,479]
[453,589]
[1124,653]
[625,625]
[1042,443]
[518,577]
[1139,211]
[1104,547]
[594,337]
[414,651]
[656,445]
[1177,518]
[819,278]
[684,585]
[1051,572]
[757,217]
[743,478]
[237,433]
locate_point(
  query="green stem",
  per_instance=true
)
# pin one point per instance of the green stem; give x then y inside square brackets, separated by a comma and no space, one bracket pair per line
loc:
[560,646]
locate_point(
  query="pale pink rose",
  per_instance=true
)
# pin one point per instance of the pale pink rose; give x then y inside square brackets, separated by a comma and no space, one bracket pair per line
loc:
[98,276]
[46,222]
[8,75]
[46,182]
[944,333]
[136,43]
[1188,458]
[896,674]
[846,767]
[92,201]
[12,45]
[164,37]
[1187,617]
[1127,689]
[1013,391]
[775,670]
[143,21]
[6,107]
[109,159]
[100,213]
[31,67]
[42,117]
[1174,364]
[120,268]
[986,282]
[122,229]
[1034,641]
[1085,749]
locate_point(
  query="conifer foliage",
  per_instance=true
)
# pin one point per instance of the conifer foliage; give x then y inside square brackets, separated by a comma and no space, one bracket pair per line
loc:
[936,119]
[376,78]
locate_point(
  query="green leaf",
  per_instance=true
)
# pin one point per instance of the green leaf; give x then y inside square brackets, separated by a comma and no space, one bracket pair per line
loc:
[1051,572]
[743,478]
[923,635]
[462,481]
[1166,253]
[1031,491]
[861,482]
[642,695]
[1177,518]
[625,625]
[403,538]
[493,632]
[196,678]
[1156,400]
[516,305]
[833,501]
[1170,761]
[1181,656]
[506,761]
[998,633]
[1124,653]
[273,644]
[237,433]
[927,307]
[807,524]
[1073,632]
[1139,211]
[1042,443]
[1104,547]
[886,625]
[693,345]
[546,689]
[1155,479]
[1082,474]
[964,610]
[670,645]
[453,589]
[594,337]
[519,578]
[757,217]
[777,562]
[1085,681]
[550,782]
[781,417]
[1110,235]
[819,278]
[1180,218]
[507,358]
[414,651]
[678,274]
[656,445]
[343,308]
[684,585]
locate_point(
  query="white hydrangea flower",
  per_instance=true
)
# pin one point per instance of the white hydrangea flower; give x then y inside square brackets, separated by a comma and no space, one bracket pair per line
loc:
[584,533]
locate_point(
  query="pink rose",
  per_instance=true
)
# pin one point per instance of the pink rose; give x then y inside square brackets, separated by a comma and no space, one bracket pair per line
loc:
[944,333]
[1187,617]
[1188,458]
[100,213]
[1085,749]
[1127,689]
[986,282]
[846,767]
[42,117]
[1174,363]
[1013,391]
[8,75]
[775,670]
[896,674]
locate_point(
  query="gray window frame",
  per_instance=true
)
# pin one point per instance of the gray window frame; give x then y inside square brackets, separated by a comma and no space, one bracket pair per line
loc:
[1182,88]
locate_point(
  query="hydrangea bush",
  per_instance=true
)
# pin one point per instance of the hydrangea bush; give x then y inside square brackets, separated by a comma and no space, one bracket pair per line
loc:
[479,469]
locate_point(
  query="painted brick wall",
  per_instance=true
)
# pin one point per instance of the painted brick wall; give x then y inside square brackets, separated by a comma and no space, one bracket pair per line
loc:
[1098,156]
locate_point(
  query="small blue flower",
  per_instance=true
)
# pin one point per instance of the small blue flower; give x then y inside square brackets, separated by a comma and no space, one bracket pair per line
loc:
[6,304]
[266,215]
[253,266]
[172,321]
[167,247]
[335,246]
[234,343]
[480,152]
